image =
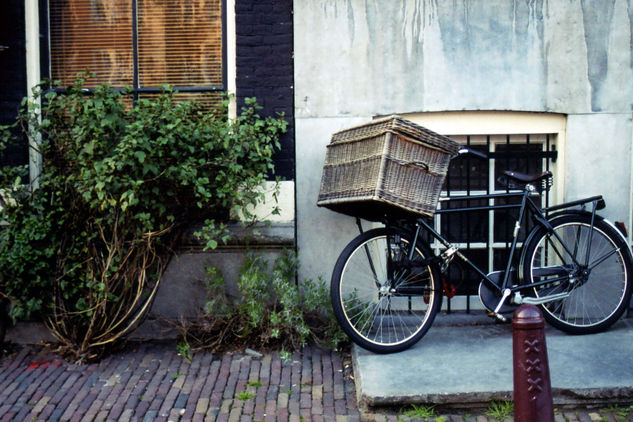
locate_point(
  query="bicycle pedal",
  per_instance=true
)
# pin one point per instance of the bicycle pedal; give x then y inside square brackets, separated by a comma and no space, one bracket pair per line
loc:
[497,317]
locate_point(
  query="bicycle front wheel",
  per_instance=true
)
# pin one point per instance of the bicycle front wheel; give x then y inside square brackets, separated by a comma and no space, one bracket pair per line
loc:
[384,301]
[586,268]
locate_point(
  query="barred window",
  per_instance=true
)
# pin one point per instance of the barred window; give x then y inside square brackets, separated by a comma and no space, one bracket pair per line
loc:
[485,236]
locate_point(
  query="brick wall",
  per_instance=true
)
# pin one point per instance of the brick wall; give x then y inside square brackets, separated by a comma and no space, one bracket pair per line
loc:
[12,71]
[265,66]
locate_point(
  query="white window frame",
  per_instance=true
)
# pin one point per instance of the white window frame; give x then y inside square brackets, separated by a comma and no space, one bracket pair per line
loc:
[479,125]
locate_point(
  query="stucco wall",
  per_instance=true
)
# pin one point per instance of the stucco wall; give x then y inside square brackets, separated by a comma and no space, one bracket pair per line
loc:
[355,59]
[360,57]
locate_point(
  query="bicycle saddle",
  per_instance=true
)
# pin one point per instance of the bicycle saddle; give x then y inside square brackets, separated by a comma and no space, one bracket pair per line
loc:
[528,178]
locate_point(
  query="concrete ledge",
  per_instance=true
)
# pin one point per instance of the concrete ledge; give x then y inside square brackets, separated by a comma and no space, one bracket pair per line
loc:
[29,332]
[260,235]
[467,366]
[182,293]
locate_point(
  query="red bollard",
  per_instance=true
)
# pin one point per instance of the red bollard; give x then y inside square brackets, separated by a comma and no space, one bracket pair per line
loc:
[532,387]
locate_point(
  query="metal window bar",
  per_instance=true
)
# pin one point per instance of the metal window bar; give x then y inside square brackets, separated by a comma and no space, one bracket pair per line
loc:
[525,152]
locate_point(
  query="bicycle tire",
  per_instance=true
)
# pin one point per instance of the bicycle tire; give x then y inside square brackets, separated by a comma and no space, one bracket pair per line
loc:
[370,306]
[598,292]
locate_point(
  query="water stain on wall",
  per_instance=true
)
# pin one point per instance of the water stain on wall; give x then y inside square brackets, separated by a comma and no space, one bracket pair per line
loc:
[597,28]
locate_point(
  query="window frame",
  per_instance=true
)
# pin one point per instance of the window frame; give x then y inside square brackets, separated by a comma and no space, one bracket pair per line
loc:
[547,143]
[494,123]
[137,89]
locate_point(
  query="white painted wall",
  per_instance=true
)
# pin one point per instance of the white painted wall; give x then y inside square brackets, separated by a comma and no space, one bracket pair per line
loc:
[355,59]
[598,157]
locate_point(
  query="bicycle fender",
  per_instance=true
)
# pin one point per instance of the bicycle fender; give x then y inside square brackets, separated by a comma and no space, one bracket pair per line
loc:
[573,212]
[597,217]
[619,232]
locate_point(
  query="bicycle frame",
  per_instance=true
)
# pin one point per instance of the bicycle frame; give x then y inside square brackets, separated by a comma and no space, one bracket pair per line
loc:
[539,217]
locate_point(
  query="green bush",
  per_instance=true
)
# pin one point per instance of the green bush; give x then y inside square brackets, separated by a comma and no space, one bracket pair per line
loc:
[272,309]
[119,184]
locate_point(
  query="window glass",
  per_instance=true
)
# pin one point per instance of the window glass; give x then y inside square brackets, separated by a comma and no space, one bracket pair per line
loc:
[180,43]
[94,35]
[175,42]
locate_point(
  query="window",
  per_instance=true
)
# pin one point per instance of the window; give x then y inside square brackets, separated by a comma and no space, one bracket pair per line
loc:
[520,141]
[143,44]
[486,235]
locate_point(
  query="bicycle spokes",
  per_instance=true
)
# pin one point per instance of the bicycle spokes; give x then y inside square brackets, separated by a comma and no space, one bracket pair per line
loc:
[579,275]
[385,297]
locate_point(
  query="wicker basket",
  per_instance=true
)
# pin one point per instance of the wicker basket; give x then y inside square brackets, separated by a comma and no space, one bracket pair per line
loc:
[389,166]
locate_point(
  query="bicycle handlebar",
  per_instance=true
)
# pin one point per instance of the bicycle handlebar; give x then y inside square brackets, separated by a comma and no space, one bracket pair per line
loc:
[464,150]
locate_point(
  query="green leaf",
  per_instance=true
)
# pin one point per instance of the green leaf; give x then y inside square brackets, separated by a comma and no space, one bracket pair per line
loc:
[115,177]
[140,156]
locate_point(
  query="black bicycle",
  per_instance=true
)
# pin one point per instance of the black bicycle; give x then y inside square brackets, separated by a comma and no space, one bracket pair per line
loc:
[574,264]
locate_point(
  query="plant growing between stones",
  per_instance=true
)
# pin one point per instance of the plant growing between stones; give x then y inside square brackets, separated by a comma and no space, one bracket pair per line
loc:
[119,185]
[619,413]
[184,349]
[271,310]
[244,395]
[499,410]
[420,411]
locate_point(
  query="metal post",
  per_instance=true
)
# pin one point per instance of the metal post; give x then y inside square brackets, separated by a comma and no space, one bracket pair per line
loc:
[532,388]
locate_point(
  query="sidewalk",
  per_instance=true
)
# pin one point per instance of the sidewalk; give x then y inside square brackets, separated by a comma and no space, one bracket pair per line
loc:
[151,382]
[466,360]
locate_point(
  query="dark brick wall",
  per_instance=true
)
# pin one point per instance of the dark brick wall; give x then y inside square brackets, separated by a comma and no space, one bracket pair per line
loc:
[265,66]
[12,71]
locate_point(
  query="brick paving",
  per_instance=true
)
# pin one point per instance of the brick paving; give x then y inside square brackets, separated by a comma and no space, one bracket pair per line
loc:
[151,382]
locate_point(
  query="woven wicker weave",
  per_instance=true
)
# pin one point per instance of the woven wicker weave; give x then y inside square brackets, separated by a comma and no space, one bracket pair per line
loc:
[387,166]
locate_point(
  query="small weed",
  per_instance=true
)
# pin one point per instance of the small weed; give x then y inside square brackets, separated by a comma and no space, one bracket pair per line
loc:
[184,349]
[289,392]
[420,411]
[176,375]
[619,413]
[274,311]
[499,410]
[285,356]
[254,384]
[244,395]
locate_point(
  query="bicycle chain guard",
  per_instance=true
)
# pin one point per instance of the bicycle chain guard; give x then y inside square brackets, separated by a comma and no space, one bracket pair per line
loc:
[490,298]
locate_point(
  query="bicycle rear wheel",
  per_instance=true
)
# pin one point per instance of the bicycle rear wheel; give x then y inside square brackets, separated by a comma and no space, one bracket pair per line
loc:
[384,302]
[588,267]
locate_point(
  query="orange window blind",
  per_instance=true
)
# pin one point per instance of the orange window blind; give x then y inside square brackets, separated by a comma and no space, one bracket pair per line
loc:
[176,42]
[180,42]
[94,35]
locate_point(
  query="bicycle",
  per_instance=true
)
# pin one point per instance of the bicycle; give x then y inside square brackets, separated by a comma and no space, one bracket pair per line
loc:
[574,264]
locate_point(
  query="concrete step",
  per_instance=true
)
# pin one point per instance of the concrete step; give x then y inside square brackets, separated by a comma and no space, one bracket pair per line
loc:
[465,361]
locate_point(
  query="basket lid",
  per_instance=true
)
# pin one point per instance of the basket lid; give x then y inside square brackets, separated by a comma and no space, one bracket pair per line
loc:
[398,125]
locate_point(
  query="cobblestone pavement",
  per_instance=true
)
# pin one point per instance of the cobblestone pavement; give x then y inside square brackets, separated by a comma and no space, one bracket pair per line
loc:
[151,382]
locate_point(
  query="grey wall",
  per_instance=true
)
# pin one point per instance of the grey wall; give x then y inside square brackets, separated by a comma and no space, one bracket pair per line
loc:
[355,59]
[373,57]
